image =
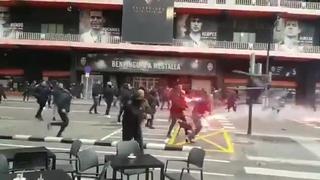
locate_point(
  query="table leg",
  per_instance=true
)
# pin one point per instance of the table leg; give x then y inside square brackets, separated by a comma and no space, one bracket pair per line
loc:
[147,174]
[54,163]
[114,174]
[162,174]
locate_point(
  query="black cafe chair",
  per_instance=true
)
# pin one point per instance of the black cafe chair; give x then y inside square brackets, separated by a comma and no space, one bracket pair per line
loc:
[70,167]
[4,166]
[125,148]
[195,158]
[88,159]
[30,161]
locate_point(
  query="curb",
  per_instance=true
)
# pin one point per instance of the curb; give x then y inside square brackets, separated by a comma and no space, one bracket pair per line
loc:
[153,146]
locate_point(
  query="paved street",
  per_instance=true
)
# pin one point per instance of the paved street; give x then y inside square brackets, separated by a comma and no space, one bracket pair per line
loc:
[282,147]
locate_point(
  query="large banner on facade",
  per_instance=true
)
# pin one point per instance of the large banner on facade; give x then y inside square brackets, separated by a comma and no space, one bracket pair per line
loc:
[99,26]
[196,30]
[147,64]
[293,35]
[148,21]
[4,21]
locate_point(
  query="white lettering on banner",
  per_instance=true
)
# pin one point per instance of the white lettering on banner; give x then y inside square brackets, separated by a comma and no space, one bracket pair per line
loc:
[166,66]
[131,64]
[145,65]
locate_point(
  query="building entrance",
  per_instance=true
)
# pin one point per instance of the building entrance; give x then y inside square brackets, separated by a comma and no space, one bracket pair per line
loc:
[146,82]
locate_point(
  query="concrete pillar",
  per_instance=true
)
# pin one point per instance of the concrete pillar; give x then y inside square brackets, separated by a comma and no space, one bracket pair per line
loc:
[306,80]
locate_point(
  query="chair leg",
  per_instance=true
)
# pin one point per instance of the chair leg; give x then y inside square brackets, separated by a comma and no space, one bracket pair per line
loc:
[151,172]
[128,177]
[138,176]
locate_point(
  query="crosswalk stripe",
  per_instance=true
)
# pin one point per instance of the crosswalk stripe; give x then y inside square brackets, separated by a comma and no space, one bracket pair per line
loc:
[286,161]
[282,173]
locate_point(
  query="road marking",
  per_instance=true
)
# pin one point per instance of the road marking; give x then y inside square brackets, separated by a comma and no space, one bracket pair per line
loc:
[282,173]
[311,145]
[111,134]
[112,152]
[13,107]
[148,139]
[162,120]
[205,173]
[227,124]
[283,160]
[229,127]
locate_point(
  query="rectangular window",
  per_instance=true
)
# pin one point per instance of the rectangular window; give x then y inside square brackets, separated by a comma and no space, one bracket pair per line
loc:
[52,28]
[244,37]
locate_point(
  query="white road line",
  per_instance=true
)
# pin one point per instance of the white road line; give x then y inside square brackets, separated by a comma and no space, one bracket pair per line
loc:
[111,134]
[13,107]
[161,120]
[283,160]
[311,145]
[204,173]
[148,139]
[113,152]
[282,173]
[227,124]
[229,127]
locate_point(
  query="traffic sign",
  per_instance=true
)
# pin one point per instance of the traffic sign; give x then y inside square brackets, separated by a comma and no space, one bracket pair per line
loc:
[87,69]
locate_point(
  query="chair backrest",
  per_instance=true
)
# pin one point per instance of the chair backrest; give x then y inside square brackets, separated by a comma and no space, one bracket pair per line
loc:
[4,166]
[75,147]
[127,147]
[87,159]
[196,157]
[31,161]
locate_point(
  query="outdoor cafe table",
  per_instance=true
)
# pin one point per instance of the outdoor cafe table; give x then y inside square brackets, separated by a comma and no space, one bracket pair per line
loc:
[10,153]
[46,175]
[143,161]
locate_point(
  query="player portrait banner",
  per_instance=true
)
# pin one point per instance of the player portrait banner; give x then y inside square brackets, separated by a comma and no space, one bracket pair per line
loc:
[293,35]
[147,64]
[148,21]
[97,26]
[195,30]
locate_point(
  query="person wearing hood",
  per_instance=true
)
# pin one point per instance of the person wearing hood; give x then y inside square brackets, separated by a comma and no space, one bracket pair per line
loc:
[62,99]
[134,115]
[125,95]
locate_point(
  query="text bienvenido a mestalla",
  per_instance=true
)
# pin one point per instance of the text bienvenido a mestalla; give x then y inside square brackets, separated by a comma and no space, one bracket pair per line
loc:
[145,65]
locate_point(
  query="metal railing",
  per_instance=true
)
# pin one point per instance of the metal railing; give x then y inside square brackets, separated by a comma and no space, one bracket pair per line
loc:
[193,1]
[297,4]
[223,45]
[176,42]
[300,4]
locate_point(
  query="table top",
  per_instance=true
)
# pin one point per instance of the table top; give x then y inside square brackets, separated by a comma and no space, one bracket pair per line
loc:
[141,161]
[47,175]
[10,153]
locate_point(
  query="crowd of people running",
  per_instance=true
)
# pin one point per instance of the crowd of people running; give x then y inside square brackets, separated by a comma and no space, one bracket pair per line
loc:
[137,106]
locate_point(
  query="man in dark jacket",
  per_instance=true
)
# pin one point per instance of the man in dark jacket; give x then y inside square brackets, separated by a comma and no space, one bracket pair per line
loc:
[2,93]
[153,102]
[26,91]
[41,93]
[108,94]
[96,91]
[125,95]
[134,114]
[62,99]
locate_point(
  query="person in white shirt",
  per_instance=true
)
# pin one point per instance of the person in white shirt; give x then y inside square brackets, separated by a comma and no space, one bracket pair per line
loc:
[291,33]
[97,33]
[4,20]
